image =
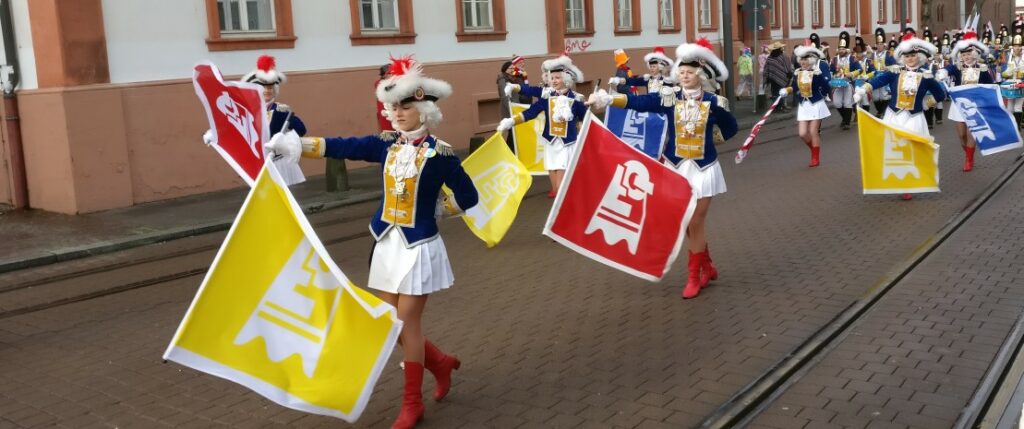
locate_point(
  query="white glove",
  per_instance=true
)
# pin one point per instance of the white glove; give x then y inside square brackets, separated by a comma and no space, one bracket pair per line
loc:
[783,92]
[286,145]
[209,137]
[616,81]
[942,74]
[599,99]
[858,95]
[506,124]
[508,89]
[647,76]
[817,71]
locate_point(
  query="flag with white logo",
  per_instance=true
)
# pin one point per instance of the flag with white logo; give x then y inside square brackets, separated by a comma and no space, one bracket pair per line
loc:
[992,126]
[894,160]
[619,206]
[236,112]
[276,315]
[528,140]
[502,181]
[642,130]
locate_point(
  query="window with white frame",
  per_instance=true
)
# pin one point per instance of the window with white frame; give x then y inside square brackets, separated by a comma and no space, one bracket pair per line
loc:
[624,18]
[774,21]
[896,12]
[575,21]
[705,13]
[476,15]
[378,15]
[667,14]
[245,16]
[833,10]
[794,12]
[881,11]
[816,12]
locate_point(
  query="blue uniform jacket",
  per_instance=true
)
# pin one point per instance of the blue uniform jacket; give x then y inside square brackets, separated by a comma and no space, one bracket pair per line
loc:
[578,111]
[277,120]
[725,121]
[819,88]
[438,170]
[927,86]
[954,73]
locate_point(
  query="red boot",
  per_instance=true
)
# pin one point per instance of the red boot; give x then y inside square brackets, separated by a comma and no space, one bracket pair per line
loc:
[968,158]
[551,193]
[412,400]
[441,365]
[906,197]
[815,151]
[707,269]
[692,288]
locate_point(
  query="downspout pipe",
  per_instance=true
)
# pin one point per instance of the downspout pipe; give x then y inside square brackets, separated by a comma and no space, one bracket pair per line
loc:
[12,122]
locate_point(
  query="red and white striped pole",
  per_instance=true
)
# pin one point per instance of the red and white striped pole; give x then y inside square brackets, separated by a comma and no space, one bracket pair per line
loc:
[753,132]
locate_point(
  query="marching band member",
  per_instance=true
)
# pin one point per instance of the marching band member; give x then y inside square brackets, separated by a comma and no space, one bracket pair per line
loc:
[844,67]
[660,77]
[562,109]
[810,87]
[862,54]
[695,113]
[882,60]
[908,87]
[1014,69]
[623,72]
[970,71]
[267,76]
[409,259]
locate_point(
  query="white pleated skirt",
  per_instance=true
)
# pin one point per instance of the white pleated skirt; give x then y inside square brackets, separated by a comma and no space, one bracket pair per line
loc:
[954,113]
[421,270]
[914,123]
[705,183]
[557,155]
[808,111]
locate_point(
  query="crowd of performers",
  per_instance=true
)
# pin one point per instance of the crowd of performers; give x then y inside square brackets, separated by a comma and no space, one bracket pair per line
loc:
[409,260]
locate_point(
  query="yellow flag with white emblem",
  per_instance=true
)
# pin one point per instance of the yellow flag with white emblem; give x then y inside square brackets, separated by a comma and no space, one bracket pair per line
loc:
[501,181]
[275,314]
[528,141]
[894,160]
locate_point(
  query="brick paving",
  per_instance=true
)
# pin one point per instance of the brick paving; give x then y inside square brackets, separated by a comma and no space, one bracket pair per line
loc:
[549,338]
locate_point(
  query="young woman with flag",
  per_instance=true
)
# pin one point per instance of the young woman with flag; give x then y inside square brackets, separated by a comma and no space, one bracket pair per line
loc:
[409,260]
[562,108]
[908,86]
[695,113]
[810,87]
[969,71]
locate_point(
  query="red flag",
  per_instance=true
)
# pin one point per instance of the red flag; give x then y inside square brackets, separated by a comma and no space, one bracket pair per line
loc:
[620,207]
[236,112]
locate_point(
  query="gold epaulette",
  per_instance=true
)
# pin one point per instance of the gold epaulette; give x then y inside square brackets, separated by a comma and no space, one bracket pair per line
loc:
[723,103]
[389,136]
[443,148]
[281,107]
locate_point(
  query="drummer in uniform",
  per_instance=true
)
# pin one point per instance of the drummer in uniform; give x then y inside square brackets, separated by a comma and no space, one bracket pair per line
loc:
[882,59]
[862,54]
[844,68]
[1013,72]
[933,110]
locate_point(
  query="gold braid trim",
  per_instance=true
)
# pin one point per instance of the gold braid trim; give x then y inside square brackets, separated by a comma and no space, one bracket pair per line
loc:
[443,148]
[313,147]
[619,100]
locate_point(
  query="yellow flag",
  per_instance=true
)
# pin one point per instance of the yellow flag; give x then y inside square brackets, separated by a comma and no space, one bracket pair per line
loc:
[528,141]
[502,181]
[895,161]
[275,314]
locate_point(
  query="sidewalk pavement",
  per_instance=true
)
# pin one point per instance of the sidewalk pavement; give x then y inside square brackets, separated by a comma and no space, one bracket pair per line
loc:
[31,238]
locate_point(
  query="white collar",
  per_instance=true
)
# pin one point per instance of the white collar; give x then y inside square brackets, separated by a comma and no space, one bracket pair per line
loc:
[414,134]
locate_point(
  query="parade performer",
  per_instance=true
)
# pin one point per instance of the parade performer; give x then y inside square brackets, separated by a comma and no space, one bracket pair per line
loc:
[660,67]
[809,88]
[882,60]
[695,113]
[623,72]
[409,260]
[908,85]
[266,75]
[968,72]
[862,54]
[844,69]
[562,110]
[1013,72]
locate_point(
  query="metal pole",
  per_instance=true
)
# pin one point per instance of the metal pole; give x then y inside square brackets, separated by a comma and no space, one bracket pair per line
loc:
[727,46]
[903,15]
[757,59]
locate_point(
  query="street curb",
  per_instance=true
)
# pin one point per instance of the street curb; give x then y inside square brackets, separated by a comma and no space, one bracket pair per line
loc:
[111,246]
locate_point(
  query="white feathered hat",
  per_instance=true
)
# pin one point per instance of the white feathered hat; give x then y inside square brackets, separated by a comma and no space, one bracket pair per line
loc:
[808,49]
[968,42]
[700,54]
[266,72]
[407,84]
[911,43]
[658,55]
[564,64]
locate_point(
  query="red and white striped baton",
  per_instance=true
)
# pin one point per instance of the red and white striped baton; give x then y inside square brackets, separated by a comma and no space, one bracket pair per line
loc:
[753,132]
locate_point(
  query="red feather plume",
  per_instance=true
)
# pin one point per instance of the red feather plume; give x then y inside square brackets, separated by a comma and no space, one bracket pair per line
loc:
[400,65]
[266,63]
[704,43]
[659,50]
[908,36]
[970,35]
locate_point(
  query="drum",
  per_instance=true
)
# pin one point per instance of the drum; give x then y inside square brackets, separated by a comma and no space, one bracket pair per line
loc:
[839,83]
[1011,90]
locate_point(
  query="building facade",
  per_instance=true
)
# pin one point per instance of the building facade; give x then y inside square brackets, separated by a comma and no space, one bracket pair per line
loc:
[109,118]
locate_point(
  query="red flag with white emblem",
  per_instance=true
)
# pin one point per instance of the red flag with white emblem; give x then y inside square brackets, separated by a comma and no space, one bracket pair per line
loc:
[236,112]
[620,207]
